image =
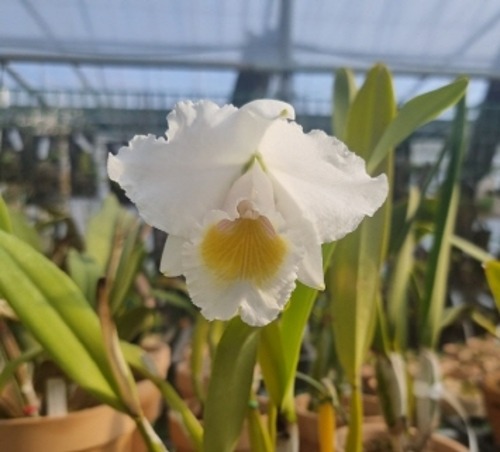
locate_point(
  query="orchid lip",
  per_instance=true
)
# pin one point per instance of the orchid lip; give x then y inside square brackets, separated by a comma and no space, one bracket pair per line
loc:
[245,249]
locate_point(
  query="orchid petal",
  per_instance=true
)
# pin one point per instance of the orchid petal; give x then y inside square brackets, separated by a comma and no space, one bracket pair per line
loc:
[206,150]
[328,183]
[270,109]
[171,261]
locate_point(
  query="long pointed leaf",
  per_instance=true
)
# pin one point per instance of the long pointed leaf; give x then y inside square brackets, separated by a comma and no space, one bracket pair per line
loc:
[471,249]
[293,323]
[397,310]
[492,271]
[99,237]
[355,273]
[431,308]
[85,272]
[271,351]
[354,280]
[414,114]
[57,296]
[371,112]
[51,331]
[5,222]
[344,90]
[9,370]
[137,358]
[229,387]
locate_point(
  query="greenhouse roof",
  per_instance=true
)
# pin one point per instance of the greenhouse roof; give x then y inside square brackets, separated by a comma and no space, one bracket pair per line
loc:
[154,45]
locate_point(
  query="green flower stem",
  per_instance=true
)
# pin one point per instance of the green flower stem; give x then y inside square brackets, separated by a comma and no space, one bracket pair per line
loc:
[134,357]
[153,442]
[272,416]
[355,438]
[260,437]
[176,403]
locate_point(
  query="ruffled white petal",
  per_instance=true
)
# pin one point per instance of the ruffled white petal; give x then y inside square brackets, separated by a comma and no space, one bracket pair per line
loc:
[171,258]
[175,183]
[326,181]
[270,109]
[310,271]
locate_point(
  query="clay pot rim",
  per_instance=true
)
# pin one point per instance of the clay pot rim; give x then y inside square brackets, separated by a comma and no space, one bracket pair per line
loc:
[83,413]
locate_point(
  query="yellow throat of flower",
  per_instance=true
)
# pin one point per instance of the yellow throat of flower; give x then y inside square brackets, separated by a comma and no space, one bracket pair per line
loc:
[246,249]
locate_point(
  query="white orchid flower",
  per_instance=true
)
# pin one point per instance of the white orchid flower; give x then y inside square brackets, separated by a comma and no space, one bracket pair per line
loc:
[247,198]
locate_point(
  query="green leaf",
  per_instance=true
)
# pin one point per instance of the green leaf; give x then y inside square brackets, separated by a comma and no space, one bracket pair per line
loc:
[85,272]
[134,321]
[354,276]
[371,112]
[176,300]
[260,439]
[198,356]
[453,314]
[392,388]
[131,254]
[413,115]
[10,368]
[381,342]
[113,241]
[421,210]
[432,304]
[5,222]
[485,322]
[25,231]
[229,387]
[397,298]
[271,351]
[471,249]
[52,308]
[462,312]
[293,323]
[137,358]
[100,233]
[344,90]
[492,271]
[353,282]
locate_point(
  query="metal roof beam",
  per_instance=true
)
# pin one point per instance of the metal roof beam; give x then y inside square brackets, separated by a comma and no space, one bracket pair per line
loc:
[362,66]
[25,85]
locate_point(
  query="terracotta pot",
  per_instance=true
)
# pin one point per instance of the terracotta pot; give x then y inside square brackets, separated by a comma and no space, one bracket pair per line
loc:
[98,429]
[377,431]
[491,394]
